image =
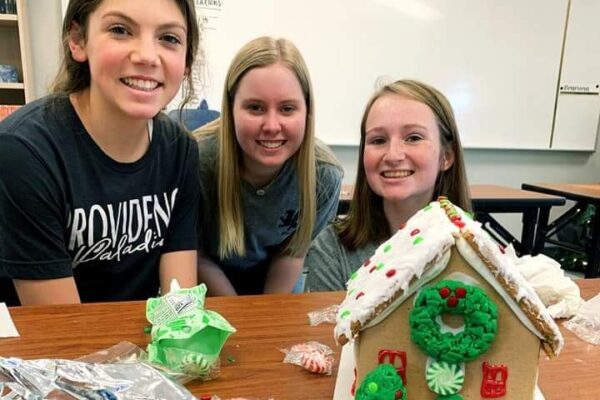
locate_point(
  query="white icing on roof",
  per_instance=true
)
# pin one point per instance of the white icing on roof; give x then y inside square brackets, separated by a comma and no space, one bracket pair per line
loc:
[399,263]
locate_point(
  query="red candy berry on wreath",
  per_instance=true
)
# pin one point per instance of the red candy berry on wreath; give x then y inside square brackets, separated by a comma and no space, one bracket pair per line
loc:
[399,394]
[460,292]
[452,301]
[444,292]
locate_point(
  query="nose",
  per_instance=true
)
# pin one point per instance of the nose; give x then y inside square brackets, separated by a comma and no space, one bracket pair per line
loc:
[144,52]
[395,151]
[271,122]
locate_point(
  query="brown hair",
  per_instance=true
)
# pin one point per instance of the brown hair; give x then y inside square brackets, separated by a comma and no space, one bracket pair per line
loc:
[366,222]
[74,76]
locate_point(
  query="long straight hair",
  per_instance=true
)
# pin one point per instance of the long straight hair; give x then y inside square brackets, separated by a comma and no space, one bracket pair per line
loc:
[259,53]
[366,222]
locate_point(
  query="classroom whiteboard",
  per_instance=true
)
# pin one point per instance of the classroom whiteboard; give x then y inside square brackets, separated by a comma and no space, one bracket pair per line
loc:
[497,61]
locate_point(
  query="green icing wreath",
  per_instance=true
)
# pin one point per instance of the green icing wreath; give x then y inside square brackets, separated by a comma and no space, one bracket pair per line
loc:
[480,321]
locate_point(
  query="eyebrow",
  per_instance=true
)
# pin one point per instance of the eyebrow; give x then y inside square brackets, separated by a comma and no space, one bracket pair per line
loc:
[131,21]
[406,126]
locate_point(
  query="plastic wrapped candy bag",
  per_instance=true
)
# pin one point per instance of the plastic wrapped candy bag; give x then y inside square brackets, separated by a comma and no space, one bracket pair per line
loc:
[586,323]
[186,338]
[327,314]
[312,356]
[76,380]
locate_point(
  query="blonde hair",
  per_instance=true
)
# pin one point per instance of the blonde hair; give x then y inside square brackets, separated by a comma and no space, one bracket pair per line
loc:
[262,52]
[366,222]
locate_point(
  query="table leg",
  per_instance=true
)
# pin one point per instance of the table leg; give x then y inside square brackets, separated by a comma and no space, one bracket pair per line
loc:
[593,250]
[541,230]
[528,233]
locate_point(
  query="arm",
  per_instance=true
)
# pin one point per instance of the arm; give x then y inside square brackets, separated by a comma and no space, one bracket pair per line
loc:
[326,263]
[32,226]
[283,273]
[180,265]
[215,279]
[47,291]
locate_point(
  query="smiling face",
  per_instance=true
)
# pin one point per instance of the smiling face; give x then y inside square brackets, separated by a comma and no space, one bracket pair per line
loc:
[136,53]
[269,116]
[403,154]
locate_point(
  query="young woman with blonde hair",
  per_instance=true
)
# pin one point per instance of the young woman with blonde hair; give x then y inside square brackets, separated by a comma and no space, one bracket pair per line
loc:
[409,154]
[267,185]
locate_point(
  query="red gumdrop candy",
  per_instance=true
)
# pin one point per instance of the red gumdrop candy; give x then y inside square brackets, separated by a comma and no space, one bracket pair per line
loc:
[460,292]
[390,273]
[444,292]
[452,301]
[399,394]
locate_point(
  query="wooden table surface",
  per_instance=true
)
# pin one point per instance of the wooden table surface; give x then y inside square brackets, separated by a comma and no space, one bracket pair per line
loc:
[265,324]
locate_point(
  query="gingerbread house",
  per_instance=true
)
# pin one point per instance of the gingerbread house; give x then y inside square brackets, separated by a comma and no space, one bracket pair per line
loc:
[443,304]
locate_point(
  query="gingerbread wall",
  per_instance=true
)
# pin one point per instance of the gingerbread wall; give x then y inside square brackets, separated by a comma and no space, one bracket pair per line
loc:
[515,346]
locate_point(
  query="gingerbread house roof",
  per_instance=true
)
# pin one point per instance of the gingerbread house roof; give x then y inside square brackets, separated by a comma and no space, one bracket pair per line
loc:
[418,253]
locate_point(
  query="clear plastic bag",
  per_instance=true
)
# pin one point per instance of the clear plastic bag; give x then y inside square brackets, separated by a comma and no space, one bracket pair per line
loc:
[312,356]
[47,379]
[327,314]
[586,323]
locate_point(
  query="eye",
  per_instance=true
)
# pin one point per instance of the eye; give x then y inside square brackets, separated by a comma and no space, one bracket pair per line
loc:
[118,30]
[254,108]
[377,140]
[171,39]
[288,109]
[413,138]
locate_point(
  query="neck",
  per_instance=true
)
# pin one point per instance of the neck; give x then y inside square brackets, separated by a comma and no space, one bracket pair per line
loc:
[122,139]
[398,213]
[258,176]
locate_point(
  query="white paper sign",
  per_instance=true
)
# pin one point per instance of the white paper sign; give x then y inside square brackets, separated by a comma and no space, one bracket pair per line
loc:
[7,326]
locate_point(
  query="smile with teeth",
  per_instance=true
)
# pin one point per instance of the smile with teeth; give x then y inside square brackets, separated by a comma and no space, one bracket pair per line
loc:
[271,144]
[397,174]
[140,84]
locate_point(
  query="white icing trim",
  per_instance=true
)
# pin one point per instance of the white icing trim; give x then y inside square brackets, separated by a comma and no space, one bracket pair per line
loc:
[473,259]
[434,271]
[462,277]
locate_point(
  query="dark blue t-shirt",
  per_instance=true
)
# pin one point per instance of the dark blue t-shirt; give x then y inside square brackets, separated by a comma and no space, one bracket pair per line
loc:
[68,209]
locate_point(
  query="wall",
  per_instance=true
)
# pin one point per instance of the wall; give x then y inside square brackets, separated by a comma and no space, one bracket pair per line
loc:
[44,28]
[503,167]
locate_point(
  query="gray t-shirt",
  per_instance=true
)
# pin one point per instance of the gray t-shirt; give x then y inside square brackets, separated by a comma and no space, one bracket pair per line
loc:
[270,212]
[329,264]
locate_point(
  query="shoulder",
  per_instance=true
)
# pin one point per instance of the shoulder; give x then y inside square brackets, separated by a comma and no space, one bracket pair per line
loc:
[39,128]
[31,114]
[329,173]
[208,151]
[327,240]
